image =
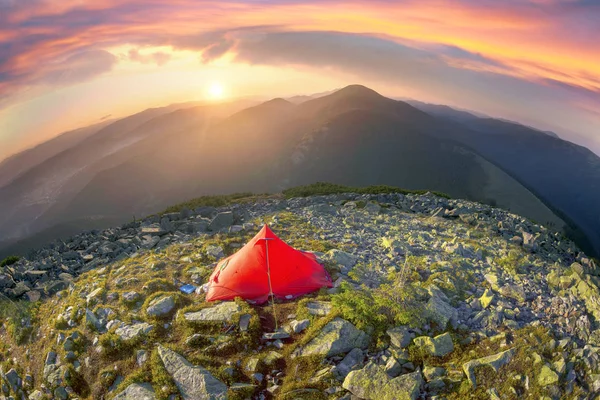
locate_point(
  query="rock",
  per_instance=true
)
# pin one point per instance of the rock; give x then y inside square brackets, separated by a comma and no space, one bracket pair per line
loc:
[215,251]
[245,322]
[222,312]
[299,326]
[141,357]
[14,380]
[547,376]
[131,297]
[495,361]
[372,383]
[441,312]
[280,334]
[319,308]
[337,337]
[431,373]
[438,346]
[221,221]
[92,321]
[393,368]
[346,260]
[130,332]
[193,382]
[160,306]
[92,298]
[530,242]
[271,358]
[352,360]
[486,299]
[137,391]
[61,393]
[6,281]
[514,292]
[400,337]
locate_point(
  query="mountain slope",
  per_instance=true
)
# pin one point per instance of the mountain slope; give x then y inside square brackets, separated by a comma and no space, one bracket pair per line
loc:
[15,165]
[353,136]
[432,297]
[562,174]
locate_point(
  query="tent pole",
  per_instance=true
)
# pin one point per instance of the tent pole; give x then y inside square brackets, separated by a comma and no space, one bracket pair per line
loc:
[270,285]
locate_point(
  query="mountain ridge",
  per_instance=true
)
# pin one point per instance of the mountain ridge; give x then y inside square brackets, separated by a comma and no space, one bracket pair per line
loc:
[261,148]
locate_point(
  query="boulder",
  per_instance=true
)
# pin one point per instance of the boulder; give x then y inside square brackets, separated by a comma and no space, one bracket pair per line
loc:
[353,360]
[193,382]
[222,312]
[346,260]
[372,383]
[400,337]
[130,332]
[137,391]
[441,312]
[486,298]
[337,337]
[547,376]
[161,306]
[513,291]
[221,221]
[319,308]
[494,361]
[299,326]
[215,251]
[438,346]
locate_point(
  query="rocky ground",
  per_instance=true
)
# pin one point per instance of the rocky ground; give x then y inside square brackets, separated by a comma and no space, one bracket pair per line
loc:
[433,298]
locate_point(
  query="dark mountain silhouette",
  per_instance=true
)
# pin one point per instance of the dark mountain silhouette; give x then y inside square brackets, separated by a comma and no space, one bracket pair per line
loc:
[354,136]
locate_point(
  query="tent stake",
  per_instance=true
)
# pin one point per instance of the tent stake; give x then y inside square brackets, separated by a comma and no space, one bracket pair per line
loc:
[270,285]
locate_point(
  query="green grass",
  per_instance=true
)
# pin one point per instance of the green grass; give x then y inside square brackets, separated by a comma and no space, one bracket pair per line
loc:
[9,261]
[19,318]
[324,188]
[319,188]
[215,201]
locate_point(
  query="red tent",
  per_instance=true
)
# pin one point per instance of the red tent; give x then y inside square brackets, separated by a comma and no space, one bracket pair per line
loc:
[247,273]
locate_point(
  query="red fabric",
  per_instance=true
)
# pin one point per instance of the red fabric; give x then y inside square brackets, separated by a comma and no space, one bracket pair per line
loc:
[244,274]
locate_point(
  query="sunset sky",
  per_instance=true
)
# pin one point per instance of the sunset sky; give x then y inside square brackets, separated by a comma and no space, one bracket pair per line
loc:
[69,63]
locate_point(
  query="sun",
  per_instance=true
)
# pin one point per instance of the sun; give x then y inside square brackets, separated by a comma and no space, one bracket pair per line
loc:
[216,91]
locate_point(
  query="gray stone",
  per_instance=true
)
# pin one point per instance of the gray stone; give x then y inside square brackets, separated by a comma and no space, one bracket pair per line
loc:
[130,332]
[319,308]
[495,361]
[346,260]
[221,221]
[193,382]
[431,373]
[161,306]
[441,312]
[337,337]
[353,360]
[372,383]
[400,337]
[299,326]
[215,251]
[245,322]
[141,357]
[14,380]
[61,393]
[438,346]
[92,321]
[222,312]
[137,391]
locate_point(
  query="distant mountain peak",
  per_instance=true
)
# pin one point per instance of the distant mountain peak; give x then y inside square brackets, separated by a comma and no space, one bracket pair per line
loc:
[278,101]
[356,90]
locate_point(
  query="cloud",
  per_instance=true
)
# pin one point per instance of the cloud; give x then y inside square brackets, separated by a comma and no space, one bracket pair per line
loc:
[77,67]
[159,58]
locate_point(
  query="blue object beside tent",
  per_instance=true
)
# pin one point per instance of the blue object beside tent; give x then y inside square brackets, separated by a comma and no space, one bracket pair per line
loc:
[188,289]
